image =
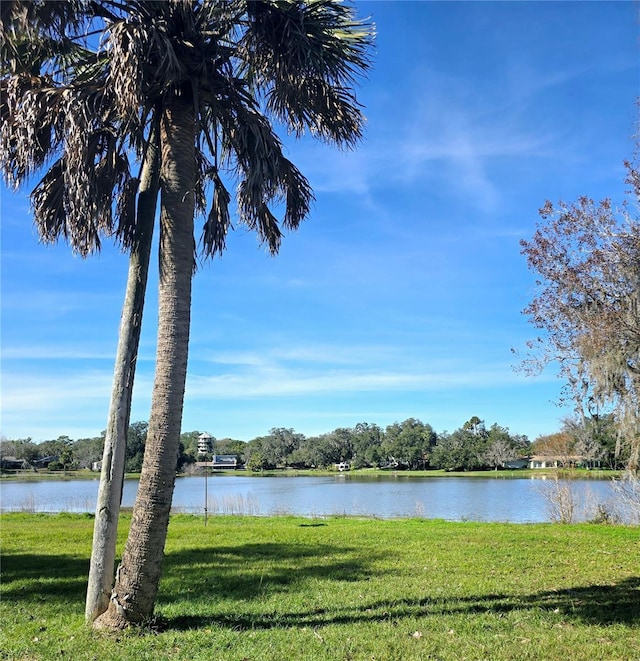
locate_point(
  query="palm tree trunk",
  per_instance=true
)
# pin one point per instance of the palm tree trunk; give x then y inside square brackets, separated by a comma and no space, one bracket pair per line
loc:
[138,576]
[105,528]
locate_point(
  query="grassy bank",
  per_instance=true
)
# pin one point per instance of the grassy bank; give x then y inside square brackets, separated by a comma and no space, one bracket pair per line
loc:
[43,474]
[289,588]
[374,473]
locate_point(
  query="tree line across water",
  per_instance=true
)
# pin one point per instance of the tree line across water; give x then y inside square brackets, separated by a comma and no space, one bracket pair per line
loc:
[411,445]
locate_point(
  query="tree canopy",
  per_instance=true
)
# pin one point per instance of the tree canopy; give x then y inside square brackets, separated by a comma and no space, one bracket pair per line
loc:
[586,257]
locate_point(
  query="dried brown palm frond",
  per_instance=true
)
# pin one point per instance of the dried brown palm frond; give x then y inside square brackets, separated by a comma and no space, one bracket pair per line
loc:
[32,125]
[80,209]
[57,111]
[218,223]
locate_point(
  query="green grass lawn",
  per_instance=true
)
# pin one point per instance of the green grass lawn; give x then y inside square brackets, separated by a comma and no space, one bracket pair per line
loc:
[285,588]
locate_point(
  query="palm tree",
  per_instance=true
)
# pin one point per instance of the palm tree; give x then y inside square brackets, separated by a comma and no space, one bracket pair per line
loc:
[217,73]
[35,41]
[109,498]
[218,70]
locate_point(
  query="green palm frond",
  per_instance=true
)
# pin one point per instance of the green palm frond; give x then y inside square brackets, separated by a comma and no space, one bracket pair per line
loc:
[266,176]
[307,56]
[328,112]
[43,17]
[290,39]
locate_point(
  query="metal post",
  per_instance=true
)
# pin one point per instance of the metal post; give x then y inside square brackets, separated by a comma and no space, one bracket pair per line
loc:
[206,496]
[204,447]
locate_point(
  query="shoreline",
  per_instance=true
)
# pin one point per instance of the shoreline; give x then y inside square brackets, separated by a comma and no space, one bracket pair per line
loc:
[366,473]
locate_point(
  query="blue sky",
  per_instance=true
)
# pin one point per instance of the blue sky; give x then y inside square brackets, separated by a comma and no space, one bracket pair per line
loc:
[401,295]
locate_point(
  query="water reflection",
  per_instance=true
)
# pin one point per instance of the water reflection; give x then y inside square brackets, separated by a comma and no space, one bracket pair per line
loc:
[384,496]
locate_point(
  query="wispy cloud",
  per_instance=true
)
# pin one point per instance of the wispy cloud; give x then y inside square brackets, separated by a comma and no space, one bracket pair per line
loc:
[40,392]
[444,130]
[307,370]
[280,382]
[56,352]
[44,405]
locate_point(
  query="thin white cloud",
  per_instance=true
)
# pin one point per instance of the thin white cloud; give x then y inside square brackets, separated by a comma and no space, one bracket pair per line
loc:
[313,369]
[443,130]
[323,354]
[76,403]
[56,352]
[300,383]
[38,392]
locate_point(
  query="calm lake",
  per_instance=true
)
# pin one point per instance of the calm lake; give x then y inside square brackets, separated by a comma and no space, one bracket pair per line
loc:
[519,500]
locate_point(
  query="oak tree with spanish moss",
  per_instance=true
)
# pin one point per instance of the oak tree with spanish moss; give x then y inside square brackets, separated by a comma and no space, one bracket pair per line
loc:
[586,256]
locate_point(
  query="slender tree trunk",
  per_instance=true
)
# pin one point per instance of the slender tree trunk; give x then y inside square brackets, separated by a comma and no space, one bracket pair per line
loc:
[138,576]
[113,459]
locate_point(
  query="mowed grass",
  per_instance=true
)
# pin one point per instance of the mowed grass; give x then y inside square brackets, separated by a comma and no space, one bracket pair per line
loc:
[285,588]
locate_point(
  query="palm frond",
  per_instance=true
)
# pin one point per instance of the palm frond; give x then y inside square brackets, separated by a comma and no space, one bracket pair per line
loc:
[216,228]
[48,17]
[266,176]
[290,39]
[51,213]
[307,55]
[32,125]
[243,62]
[328,112]
[298,194]
[126,230]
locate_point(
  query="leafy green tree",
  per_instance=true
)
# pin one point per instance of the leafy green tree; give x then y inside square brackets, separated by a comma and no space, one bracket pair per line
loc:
[184,459]
[230,446]
[136,442]
[597,437]
[88,450]
[503,447]
[62,449]
[461,450]
[67,457]
[311,453]
[276,447]
[189,441]
[475,426]
[409,442]
[21,448]
[323,451]
[338,446]
[607,432]
[257,463]
[256,457]
[367,445]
